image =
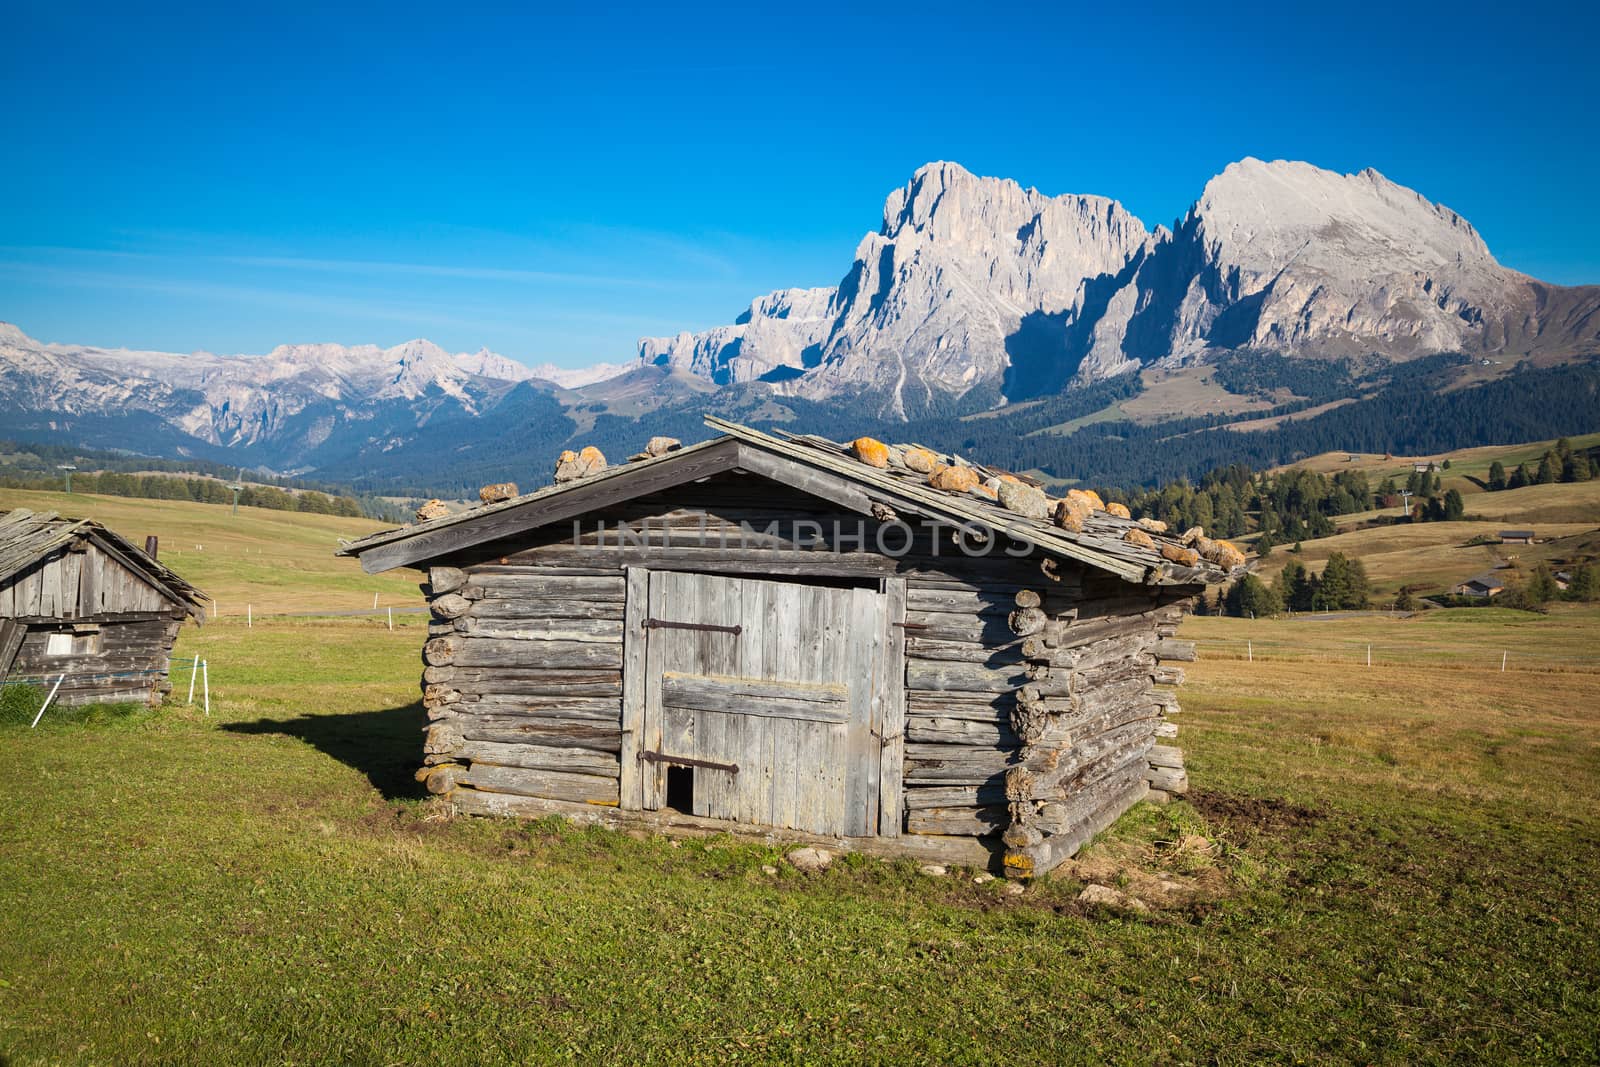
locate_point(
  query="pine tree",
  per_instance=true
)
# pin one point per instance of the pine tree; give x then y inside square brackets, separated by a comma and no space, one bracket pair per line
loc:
[1454,507]
[1549,469]
[1250,597]
[1575,468]
[1520,477]
[1585,584]
[1497,476]
[1541,587]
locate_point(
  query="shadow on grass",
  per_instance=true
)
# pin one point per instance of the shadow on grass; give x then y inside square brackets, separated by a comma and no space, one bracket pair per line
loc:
[386,745]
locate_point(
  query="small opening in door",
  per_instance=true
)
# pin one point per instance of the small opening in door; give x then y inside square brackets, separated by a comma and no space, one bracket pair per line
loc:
[680,789]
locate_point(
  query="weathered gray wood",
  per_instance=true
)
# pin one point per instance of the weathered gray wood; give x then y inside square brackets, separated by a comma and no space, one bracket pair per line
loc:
[600,630]
[1065,816]
[1166,756]
[450,606]
[1079,762]
[532,585]
[956,796]
[1165,675]
[554,785]
[529,730]
[778,698]
[487,652]
[1055,849]
[956,764]
[600,709]
[963,677]
[633,681]
[505,610]
[446,579]
[995,733]
[539,757]
[919,646]
[977,822]
[1168,779]
[890,697]
[11,637]
[1182,651]
[536,681]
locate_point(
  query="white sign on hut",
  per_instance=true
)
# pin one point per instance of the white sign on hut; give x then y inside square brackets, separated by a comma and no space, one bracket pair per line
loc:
[890,649]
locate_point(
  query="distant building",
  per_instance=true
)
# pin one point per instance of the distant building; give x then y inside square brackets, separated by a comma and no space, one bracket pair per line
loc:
[1423,468]
[1484,585]
[1563,579]
[84,608]
[1516,537]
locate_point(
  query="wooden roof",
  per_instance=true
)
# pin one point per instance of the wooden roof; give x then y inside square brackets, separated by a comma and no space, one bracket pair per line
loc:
[27,537]
[810,464]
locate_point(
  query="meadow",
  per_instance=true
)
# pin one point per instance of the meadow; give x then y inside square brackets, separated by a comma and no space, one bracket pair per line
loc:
[1382,864]
[1391,864]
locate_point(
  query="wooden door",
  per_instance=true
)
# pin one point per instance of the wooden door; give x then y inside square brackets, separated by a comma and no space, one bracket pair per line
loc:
[765,696]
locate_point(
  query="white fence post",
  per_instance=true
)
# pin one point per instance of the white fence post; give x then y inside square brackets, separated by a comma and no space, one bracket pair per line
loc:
[205,671]
[47,700]
[193,674]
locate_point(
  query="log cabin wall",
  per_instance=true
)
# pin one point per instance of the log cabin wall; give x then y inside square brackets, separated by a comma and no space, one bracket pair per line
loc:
[86,616]
[116,659]
[1031,699]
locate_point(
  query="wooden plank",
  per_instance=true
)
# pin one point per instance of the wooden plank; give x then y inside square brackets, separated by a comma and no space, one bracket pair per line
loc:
[761,697]
[553,785]
[489,652]
[634,637]
[535,584]
[890,695]
[963,677]
[12,634]
[528,730]
[562,629]
[865,637]
[977,822]
[539,757]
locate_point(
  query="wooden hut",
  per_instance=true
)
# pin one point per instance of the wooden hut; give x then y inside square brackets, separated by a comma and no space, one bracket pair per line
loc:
[81,604]
[892,650]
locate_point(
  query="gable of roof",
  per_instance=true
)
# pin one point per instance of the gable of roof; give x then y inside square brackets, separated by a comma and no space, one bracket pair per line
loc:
[27,537]
[808,464]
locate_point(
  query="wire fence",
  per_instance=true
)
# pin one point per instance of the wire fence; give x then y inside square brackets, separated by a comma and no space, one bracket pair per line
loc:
[1390,651]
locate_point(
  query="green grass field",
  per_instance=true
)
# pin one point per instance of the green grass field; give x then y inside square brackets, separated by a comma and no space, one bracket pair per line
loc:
[1393,865]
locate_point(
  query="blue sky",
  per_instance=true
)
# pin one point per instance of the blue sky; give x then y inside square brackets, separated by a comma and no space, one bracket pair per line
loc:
[555,185]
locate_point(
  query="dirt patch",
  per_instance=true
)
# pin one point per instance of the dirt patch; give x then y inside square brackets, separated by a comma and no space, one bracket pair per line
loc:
[1266,814]
[1167,876]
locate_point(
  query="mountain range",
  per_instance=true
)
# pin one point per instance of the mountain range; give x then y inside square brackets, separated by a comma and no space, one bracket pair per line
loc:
[974,294]
[976,285]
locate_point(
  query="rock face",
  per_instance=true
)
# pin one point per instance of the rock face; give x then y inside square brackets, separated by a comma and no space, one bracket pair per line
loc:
[978,284]
[965,272]
[778,333]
